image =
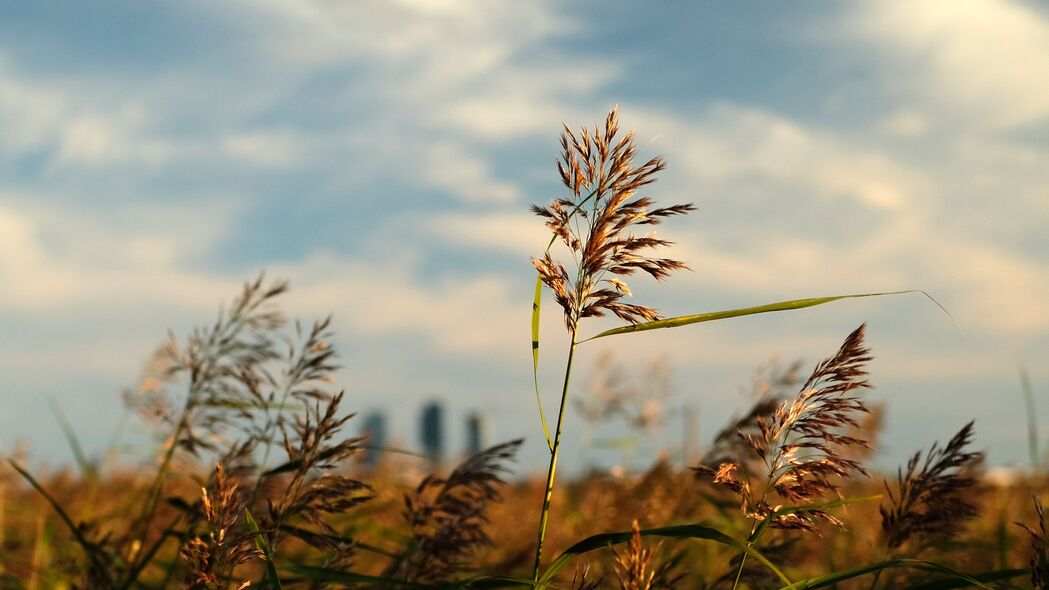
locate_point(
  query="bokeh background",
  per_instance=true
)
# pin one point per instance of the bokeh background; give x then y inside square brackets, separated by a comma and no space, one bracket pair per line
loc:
[382,156]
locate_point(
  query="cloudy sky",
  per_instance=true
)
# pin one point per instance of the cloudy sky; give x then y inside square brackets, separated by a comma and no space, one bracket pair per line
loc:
[382,156]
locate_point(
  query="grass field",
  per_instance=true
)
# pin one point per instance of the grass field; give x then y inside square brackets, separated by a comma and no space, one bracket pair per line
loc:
[256,480]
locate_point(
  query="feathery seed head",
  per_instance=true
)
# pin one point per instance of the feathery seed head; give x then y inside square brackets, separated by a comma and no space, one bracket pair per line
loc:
[800,445]
[595,223]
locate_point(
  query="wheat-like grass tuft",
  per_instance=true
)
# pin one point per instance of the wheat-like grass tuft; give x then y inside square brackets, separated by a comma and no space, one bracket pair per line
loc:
[211,557]
[801,446]
[582,580]
[599,171]
[931,498]
[447,516]
[1039,548]
[633,567]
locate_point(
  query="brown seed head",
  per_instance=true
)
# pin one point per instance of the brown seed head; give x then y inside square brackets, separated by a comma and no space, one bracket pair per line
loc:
[595,225]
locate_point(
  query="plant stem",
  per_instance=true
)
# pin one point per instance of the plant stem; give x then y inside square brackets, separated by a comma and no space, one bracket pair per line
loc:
[743,559]
[544,514]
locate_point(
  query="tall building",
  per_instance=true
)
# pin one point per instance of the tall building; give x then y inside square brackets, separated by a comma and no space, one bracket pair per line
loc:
[375,437]
[475,433]
[432,431]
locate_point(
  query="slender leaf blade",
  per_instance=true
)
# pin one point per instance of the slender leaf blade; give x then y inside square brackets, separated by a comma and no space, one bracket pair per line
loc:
[272,578]
[959,578]
[688,531]
[353,579]
[86,468]
[743,311]
[537,302]
[992,576]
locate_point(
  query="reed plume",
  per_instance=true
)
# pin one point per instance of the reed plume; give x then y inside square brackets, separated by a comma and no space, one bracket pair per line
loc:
[930,499]
[211,558]
[447,516]
[581,579]
[635,567]
[800,447]
[1039,548]
[595,223]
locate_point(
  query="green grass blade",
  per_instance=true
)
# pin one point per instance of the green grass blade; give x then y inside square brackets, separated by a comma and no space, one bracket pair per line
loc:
[353,580]
[91,549]
[688,531]
[537,302]
[840,576]
[273,580]
[945,569]
[87,470]
[992,576]
[958,579]
[1032,422]
[743,311]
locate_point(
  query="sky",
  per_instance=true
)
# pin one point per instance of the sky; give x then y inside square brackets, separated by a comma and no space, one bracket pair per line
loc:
[382,156]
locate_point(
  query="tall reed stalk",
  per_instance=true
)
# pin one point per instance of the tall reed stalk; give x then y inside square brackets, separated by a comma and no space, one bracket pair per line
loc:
[595,224]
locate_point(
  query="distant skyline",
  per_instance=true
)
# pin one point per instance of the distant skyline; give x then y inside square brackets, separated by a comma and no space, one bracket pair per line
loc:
[381,155]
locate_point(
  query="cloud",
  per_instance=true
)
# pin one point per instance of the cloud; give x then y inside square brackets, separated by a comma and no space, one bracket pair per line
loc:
[731,142]
[983,60]
[462,174]
[277,148]
[29,112]
[59,260]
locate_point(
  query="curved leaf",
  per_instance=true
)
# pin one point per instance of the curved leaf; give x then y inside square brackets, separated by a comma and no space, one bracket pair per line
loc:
[734,313]
[992,576]
[688,531]
[537,302]
[959,578]
[321,574]
[272,579]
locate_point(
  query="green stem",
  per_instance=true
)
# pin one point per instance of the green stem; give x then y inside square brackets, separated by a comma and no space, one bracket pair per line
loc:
[158,482]
[545,512]
[743,560]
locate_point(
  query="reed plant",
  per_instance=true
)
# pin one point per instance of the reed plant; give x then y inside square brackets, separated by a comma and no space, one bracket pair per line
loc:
[595,224]
[255,480]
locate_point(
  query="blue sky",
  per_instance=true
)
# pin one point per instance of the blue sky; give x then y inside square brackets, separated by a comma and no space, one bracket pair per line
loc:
[382,155]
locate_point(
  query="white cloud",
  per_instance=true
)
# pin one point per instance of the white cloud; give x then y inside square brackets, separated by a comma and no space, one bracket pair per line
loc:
[731,142]
[463,175]
[983,59]
[58,260]
[97,140]
[29,112]
[906,124]
[520,234]
[274,148]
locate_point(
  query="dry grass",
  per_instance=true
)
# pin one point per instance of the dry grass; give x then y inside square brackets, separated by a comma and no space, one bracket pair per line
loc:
[256,482]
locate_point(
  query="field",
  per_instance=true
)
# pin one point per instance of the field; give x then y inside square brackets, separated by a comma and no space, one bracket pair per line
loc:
[256,481]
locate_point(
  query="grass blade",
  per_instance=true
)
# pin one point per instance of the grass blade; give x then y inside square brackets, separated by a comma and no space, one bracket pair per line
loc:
[743,311]
[688,531]
[320,574]
[273,580]
[90,548]
[86,469]
[353,580]
[1032,422]
[537,302]
[959,578]
[993,576]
